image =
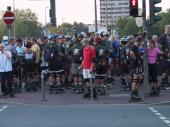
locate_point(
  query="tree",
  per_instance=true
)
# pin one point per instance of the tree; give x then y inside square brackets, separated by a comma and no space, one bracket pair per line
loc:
[27,24]
[158,28]
[67,28]
[127,26]
[79,27]
[3,30]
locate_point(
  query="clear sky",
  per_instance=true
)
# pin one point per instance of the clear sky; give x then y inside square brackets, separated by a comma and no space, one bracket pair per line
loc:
[66,10]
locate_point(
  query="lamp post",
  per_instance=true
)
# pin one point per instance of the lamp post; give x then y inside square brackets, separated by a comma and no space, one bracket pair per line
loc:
[14,20]
[46,15]
[46,20]
[95,7]
[106,14]
[146,83]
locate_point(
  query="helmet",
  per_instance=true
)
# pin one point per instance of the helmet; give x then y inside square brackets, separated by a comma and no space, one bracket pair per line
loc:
[5,38]
[61,37]
[52,36]
[67,36]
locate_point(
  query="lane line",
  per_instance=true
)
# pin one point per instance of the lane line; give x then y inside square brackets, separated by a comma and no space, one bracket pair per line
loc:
[158,114]
[3,108]
[163,118]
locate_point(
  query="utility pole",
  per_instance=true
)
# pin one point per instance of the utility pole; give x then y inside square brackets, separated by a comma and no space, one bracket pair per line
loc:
[95,7]
[145,40]
[106,15]
[14,20]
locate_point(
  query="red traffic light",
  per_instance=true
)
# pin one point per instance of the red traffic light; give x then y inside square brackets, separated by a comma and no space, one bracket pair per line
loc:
[133,8]
[134,3]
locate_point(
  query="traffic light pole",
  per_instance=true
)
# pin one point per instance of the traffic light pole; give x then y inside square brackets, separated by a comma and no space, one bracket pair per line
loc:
[52,13]
[145,40]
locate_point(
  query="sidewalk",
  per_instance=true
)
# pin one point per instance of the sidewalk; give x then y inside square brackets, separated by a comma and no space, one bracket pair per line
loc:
[114,96]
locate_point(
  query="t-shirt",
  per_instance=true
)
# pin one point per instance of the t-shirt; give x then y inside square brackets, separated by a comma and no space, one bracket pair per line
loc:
[152,55]
[89,55]
[5,63]
[20,51]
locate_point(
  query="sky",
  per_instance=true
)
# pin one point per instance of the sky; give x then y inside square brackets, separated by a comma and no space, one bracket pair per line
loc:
[66,10]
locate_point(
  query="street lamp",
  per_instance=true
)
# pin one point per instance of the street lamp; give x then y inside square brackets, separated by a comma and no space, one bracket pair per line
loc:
[46,15]
[106,14]
[95,7]
[14,20]
[46,20]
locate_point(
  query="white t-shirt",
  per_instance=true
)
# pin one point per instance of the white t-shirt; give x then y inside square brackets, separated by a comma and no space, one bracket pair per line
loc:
[5,62]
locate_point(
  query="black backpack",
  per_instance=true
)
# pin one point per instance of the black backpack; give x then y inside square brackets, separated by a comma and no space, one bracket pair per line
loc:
[50,52]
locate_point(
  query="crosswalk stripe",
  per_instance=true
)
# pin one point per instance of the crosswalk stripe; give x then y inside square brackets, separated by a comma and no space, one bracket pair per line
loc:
[3,108]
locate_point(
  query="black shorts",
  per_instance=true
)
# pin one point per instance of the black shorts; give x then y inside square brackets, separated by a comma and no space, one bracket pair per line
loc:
[29,66]
[101,70]
[54,66]
[152,72]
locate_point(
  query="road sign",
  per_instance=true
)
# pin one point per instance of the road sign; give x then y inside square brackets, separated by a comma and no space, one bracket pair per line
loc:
[9,17]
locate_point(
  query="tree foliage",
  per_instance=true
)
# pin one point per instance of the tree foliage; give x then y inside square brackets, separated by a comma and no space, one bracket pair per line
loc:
[27,24]
[67,28]
[127,26]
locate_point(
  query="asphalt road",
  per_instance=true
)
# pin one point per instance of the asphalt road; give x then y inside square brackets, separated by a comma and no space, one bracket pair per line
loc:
[132,115]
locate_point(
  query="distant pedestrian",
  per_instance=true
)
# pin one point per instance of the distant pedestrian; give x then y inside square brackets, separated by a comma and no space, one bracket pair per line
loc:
[164,39]
[153,53]
[6,72]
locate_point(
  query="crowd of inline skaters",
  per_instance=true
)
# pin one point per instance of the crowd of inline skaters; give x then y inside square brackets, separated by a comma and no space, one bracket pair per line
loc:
[76,62]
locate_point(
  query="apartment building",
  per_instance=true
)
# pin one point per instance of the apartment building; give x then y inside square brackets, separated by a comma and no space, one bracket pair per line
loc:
[111,10]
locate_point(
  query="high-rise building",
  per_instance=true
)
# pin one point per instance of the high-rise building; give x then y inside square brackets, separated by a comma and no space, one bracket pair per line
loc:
[111,10]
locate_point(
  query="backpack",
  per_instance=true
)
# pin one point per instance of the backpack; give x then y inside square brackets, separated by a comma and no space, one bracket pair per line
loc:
[51,52]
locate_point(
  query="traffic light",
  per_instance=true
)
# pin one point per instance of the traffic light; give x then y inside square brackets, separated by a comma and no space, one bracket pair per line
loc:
[133,8]
[153,10]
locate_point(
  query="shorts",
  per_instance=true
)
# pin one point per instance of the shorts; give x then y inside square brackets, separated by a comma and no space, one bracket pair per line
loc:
[86,74]
[75,70]
[29,67]
[152,72]
[115,60]
[54,66]
[135,70]
[101,69]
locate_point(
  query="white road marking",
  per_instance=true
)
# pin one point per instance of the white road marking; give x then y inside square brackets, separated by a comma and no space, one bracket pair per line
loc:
[163,118]
[3,108]
[160,116]
[155,111]
[167,121]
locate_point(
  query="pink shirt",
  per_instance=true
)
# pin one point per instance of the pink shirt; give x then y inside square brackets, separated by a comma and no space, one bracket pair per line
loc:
[152,55]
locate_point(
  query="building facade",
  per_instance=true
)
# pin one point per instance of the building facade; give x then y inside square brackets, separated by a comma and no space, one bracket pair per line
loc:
[111,10]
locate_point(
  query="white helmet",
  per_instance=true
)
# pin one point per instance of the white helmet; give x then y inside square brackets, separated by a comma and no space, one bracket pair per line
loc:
[5,38]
